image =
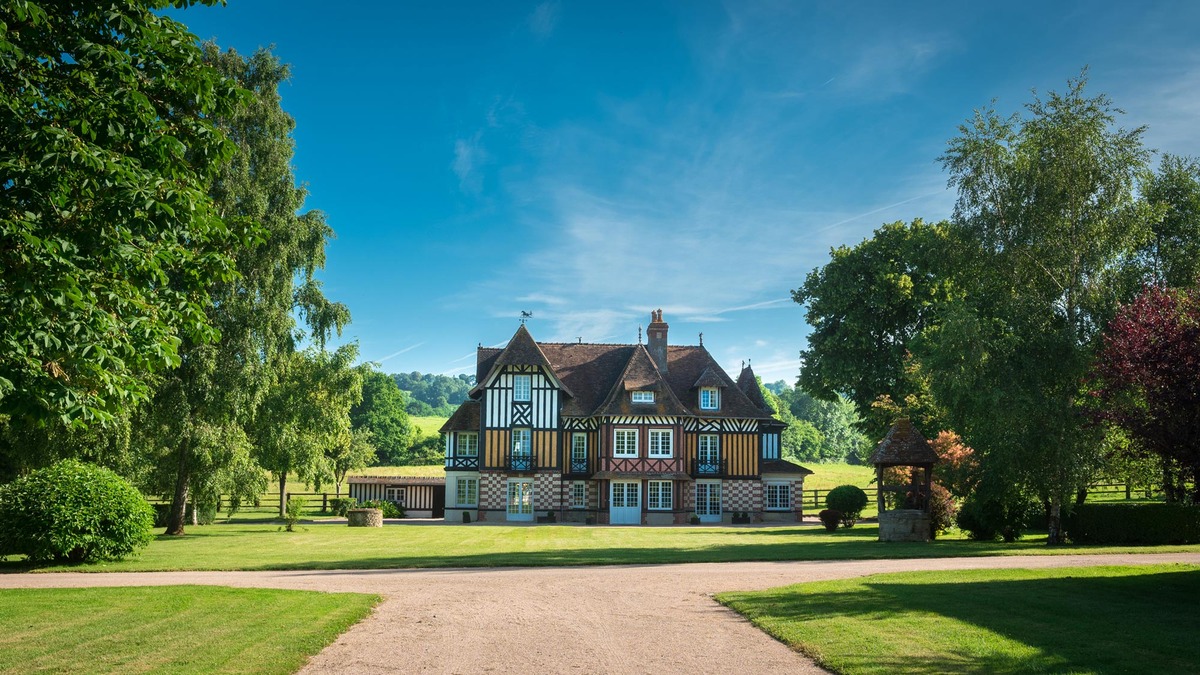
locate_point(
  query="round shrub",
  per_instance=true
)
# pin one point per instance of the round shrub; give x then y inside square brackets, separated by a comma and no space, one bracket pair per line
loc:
[73,512]
[849,499]
[986,519]
[390,509]
[830,518]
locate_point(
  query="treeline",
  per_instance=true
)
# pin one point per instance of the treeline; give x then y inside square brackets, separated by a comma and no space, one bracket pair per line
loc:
[1049,327]
[817,431]
[159,307]
[434,395]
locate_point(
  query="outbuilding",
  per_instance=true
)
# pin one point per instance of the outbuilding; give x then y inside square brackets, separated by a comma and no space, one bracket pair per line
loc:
[421,497]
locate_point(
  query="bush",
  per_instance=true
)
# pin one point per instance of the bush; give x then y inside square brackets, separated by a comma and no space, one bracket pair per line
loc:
[942,510]
[987,519]
[390,509]
[849,499]
[1134,524]
[292,512]
[339,505]
[830,518]
[73,512]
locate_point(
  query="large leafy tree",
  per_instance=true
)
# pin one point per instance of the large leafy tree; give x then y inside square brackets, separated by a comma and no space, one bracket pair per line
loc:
[865,306]
[199,427]
[1049,199]
[382,413]
[1173,250]
[1148,374]
[107,147]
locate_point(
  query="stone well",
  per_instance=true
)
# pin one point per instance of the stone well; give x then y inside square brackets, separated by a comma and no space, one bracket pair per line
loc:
[364,517]
[904,525]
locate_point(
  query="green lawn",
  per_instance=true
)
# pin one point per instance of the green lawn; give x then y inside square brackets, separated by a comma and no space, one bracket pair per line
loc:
[429,470]
[829,476]
[428,426]
[335,546]
[177,629]
[1077,620]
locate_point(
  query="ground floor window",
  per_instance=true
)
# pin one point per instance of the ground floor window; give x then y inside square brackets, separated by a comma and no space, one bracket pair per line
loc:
[658,494]
[778,496]
[395,494]
[520,500]
[466,492]
[578,495]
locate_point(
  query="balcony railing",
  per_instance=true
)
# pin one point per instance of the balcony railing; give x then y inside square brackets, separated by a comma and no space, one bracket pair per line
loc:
[520,462]
[707,468]
[462,463]
[578,467]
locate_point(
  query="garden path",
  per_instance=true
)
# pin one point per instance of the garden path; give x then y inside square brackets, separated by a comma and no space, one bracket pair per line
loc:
[619,619]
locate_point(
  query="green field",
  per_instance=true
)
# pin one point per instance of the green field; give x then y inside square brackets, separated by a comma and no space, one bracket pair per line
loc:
[829,476]
[1076,620]
[429,470]
[428,426]
[177,629]
[335,546]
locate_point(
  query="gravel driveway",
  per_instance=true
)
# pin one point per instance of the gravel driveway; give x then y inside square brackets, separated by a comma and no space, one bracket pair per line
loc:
[622,619]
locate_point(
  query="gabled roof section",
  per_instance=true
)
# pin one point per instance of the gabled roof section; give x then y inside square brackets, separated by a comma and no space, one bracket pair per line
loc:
[465,418]
[748,384]
[904,446]
[521,350]
[710,379]
[783,466]
[641,374]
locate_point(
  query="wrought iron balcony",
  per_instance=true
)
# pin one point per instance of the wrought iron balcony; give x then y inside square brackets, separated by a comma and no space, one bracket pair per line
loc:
[462,463]
[707,468]
[521,463]
[578,467]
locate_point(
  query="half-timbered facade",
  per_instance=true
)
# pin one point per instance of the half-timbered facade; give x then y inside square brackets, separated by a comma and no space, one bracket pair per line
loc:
[615,433]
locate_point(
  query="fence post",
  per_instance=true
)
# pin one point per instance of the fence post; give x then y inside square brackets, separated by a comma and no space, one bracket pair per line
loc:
[324,502]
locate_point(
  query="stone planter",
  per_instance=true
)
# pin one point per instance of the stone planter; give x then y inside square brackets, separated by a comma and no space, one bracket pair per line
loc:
[364,517]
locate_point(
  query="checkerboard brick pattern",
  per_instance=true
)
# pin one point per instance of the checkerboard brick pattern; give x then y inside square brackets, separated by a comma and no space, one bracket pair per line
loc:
[741,495]
[547,486]
[493,488]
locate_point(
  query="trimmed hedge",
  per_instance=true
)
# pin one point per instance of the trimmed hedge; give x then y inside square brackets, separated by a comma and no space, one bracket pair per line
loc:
[1134,524]
[850,500]
[73,512]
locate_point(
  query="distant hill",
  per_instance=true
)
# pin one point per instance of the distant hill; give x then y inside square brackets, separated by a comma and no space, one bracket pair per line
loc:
[434,395]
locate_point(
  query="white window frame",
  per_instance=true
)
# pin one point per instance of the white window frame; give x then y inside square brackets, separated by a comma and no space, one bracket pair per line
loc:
[470,486]
[578,446]
[656,449]
[713,440]
[578,495]
[621,447]
[522,387]
[396,494]
[659,495]
[713,399]
[787,496]
[473,450]
[519,448]
[641,396]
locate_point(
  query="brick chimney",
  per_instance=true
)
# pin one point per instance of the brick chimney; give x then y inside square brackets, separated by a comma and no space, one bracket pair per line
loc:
[657,342]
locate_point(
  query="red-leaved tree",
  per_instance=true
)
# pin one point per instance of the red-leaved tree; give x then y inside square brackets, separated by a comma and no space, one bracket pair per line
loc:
[1148,373]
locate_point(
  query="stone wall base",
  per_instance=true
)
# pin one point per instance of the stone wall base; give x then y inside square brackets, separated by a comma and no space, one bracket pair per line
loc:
[904,525]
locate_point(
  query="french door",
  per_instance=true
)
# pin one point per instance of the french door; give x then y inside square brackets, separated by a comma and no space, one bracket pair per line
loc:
[625,503]
[708,501]
[520,499]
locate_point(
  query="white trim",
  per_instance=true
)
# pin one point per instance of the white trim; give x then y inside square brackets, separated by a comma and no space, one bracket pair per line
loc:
[576,445]
[714,398]
[578,495]
[787,495]
[659,453]
[461,436]
[522,384]
[626,434]
[641,397]
[522,440]
[471,492]
[655,493]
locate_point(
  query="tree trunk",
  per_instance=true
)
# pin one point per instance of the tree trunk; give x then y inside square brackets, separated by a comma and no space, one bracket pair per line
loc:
[175,519]
[1054,522]
[282,494]
[1081,496]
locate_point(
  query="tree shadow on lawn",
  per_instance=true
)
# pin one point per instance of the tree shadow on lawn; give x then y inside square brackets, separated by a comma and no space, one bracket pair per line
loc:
[1088,623]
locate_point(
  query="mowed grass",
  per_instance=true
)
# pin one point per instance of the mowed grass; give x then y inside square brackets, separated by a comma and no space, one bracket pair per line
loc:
[829,476]
[428,426]
[240,546]
[177,629]
[423,471]
[1077,620]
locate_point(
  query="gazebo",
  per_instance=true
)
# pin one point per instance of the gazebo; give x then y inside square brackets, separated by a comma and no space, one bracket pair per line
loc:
[904,446]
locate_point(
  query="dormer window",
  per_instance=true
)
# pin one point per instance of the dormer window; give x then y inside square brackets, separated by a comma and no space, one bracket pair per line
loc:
[642,396]
[710,398]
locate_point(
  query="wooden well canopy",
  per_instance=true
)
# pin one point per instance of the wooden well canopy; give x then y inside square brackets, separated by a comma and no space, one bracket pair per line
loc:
[905,446]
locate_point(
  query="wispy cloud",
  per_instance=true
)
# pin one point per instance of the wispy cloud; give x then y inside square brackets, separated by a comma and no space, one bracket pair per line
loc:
[398,353]
[543,19]
[469,157]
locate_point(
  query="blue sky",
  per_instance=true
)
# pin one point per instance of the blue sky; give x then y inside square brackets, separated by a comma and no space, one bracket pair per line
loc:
[592,161]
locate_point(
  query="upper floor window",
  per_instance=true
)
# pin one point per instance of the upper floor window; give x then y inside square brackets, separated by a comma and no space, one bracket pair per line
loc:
[578,447]
[642,396]
[468,444]
[625,443]
[710,398]
[770,446]
[660,443]
[521,445]
[522,386]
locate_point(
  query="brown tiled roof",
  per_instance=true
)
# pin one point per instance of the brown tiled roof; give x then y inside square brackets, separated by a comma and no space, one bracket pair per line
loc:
[748,384]
[687,365]
[782,466]
[521,350]
[465,418]
[709,379]
[641,374]
[904,446]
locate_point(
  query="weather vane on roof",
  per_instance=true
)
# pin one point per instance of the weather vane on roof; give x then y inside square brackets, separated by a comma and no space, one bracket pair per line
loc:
[525,316]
